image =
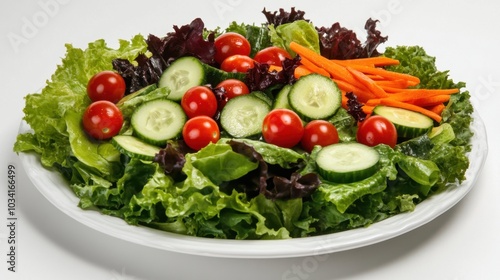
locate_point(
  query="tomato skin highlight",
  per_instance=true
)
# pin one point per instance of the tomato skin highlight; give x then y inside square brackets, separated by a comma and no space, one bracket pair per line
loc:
[199,101]
[283,128]
[106,85]
[200,131]
[377,130]
[319,132]
[272,55]
[102,120]
[237,63]
[229,44]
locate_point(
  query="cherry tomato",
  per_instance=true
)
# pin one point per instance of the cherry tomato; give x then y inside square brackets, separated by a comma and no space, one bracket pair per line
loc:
[199,101]
[106,85]
[377,130]
[229,44]
[233,87]
[200,131]
[271,55]
[319,132]
[102,120]
[237,63]
[282,127]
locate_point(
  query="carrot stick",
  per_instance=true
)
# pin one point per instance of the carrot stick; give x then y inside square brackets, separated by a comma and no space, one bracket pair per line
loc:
[335,70]
[375,61]
[395,103]
[412,80]
[275,68]
[344,100]
[402,84]
[301,71]
[438,109]
[367,109]
[313,68]
[430,101]
[362,93]
[367,82]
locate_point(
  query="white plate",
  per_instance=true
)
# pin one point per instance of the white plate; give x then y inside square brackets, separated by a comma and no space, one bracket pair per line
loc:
[56,190]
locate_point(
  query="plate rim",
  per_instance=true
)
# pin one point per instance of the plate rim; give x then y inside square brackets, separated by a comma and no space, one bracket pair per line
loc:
[262,249]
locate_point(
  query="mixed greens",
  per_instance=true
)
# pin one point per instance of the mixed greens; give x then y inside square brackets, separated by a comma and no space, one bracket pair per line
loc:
[240,188]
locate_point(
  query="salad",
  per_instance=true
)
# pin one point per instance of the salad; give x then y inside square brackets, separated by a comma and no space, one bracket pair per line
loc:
[253,131]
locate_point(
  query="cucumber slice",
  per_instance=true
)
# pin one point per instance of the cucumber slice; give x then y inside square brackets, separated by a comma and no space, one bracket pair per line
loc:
[262,95]
[134,148]
[281,101]
[215,75]
[183,74]
[442,134]
[243,115]
[158,120]
[347,162]
[409,124]
[143,91]
[315,97]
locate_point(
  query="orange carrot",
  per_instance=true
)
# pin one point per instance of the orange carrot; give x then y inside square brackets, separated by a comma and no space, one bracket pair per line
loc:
[369,61]
[438,109]
[335,70]
[313,68]
[367,82]
[412,80]
[344,100]
[301,71]
[402,84]
[367,109]
[362,94]
[430,101]
[274,68]
[395,103]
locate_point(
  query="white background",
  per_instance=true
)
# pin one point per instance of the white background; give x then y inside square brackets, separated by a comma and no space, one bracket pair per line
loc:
[463,243]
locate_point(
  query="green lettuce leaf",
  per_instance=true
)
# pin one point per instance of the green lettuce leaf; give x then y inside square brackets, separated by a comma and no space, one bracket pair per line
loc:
[299,31]
[44,112]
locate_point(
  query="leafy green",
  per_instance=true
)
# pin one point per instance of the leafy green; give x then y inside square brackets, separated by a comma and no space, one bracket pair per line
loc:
[299,31]
[257,36]
[44,112]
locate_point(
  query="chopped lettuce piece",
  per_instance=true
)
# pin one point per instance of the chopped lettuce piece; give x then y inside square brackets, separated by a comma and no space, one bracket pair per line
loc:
[299,31]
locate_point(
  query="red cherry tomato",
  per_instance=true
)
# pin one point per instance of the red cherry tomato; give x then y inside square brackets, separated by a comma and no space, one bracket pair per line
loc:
[106,85]
[271,55]
[282,127]
[233,87]
[200,131]
[199,101]
[237,63]
[377,130]
[229,44]
[102,120]
[319,132]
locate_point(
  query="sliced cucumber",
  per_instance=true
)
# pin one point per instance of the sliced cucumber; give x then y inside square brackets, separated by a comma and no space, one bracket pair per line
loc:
[243,115]
[215,75]
[262,95]
[281,100]
[442,134]
[134,148]
[158,120]
[409,124]
[315,97]
[142,91]
[347,162]
[183,74]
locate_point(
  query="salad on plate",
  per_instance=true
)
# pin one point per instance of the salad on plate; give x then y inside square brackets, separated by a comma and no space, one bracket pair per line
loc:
[253,131]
